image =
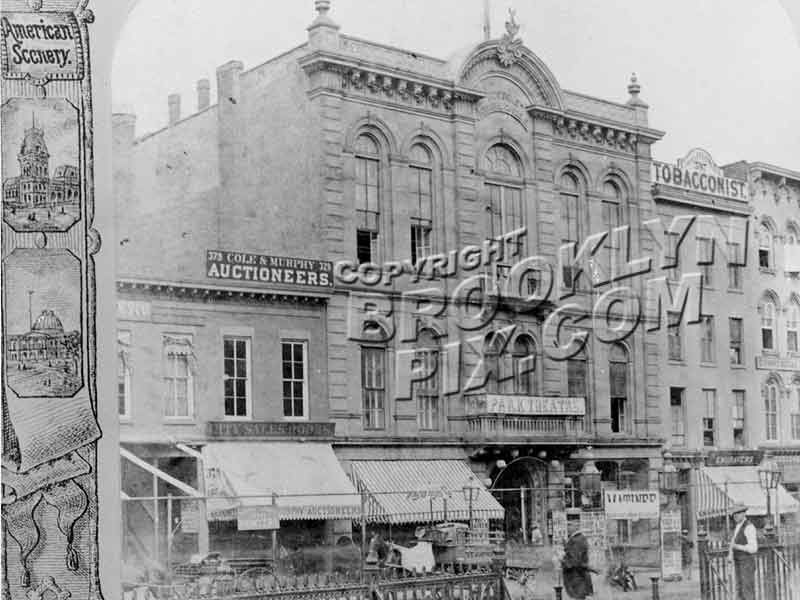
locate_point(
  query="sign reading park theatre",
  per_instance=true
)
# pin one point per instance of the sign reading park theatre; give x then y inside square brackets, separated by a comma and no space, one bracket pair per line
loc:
[242,266]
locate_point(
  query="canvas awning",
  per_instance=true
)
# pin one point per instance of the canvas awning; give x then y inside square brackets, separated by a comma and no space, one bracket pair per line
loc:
[416,491]
[306,478]
[719,488]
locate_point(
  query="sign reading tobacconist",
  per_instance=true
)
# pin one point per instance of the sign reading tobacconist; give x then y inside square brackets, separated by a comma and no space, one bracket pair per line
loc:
[243,266]
[698,172]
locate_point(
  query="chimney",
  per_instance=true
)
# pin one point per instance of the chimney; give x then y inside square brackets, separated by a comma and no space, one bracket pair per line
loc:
[228,89]
[174,101]
[123,128]
[229,118]
[203,94]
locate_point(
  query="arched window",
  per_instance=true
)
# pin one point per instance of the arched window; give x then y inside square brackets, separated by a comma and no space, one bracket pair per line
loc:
[426,392]
[618,381]
[373,380]
[792,321]
[768,325]
[367,199]
[421,202]
[612,207]
[796,410]
[771,411]
[792,235]
[498,364]
[524,364]
[504,187]
[765,258]
[569,197]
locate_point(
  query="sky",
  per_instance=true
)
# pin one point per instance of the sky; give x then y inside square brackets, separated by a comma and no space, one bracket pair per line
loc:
[720,74]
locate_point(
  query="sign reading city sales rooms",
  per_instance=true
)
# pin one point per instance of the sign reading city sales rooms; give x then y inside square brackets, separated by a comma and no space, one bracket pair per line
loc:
[260,268]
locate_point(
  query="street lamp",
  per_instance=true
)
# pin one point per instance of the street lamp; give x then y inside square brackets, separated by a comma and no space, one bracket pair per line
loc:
[668,478]
[589,477]
[769,476]
[471,491]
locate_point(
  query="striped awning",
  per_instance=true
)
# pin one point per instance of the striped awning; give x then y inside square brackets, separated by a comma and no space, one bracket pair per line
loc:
[719,488]
[304,479]
[419,491]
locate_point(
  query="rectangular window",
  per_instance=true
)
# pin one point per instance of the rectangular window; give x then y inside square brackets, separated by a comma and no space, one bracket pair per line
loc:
[791,328]
[612,218]
[709,417]
[420,241]
[422,213]
[576,377]
[737,419]
[177,377]
[426,393]
[672,258]
[505,207]
[796,414]
[619,396]
[771,411]
[736,341]
[123,373]
[373,387]
[734,271]
[367,209]
[295,384]
[569,232]
[705,248]
[763,258]
[236,357]
[674,336]
[707,340]
[677,416]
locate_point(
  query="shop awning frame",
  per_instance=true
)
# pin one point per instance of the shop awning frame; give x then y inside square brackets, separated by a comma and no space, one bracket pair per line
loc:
[719,488]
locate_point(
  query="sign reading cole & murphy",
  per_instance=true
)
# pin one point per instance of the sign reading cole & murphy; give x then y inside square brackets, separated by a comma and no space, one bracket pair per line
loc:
[243,266]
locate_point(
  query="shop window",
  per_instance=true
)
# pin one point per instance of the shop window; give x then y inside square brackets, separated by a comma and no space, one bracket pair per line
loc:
[426,392]
[178,380]
[236,376]
[618,371]
[768,326]
[736,349]
[737,419]
[677,416]
[123,373]
[674,336]
[367,199]
[707,340]
[771,411]
[709,417]
[373,387]
[294,371]
[421,174]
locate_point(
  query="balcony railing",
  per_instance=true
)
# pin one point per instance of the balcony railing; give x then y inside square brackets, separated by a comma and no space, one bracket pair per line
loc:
[502,416]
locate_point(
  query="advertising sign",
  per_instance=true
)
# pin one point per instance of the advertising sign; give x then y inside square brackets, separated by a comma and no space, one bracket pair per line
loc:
[698,172]
[631,504]
[249,518]
[42,45]
[531,405]
[734,458]
[190,516]
[260,268]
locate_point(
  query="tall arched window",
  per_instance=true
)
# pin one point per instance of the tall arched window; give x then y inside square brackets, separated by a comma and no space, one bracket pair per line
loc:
[524,364]
[367,200]
[771,411]
[618,375]
[792,322]
[498,364]
[796,410]
[611,208]
[765,257]
[421,187]
[426,393]
[768,325]
[791,249]
[373,379]
[569,196]
[504,187]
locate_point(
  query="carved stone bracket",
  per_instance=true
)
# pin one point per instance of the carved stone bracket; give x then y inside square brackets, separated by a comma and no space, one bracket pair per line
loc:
[593,133]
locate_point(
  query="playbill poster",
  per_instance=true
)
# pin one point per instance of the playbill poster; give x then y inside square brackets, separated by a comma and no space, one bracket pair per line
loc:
[295,294]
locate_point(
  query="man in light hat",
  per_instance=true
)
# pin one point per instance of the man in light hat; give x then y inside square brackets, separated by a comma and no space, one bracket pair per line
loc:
[743,549]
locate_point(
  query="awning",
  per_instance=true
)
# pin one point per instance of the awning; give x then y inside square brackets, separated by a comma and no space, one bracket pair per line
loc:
[306,478]
[719,488]
[416,491]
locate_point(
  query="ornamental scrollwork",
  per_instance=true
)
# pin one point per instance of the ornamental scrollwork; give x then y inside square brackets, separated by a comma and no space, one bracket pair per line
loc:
[509,50]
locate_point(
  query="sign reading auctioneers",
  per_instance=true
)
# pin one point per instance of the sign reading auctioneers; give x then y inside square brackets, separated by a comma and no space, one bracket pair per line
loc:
[698,172]
[243,266]
[631,504]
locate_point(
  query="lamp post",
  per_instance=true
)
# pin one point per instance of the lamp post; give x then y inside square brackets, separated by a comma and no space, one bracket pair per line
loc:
[668,478]
[471,491]
[769,476]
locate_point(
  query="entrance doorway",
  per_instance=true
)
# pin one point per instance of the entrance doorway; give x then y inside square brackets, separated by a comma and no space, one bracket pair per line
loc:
[521,487]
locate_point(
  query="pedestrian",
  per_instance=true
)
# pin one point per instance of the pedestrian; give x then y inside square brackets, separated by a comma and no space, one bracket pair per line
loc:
[575,564]
[686,553]
[536,535]
[742,552]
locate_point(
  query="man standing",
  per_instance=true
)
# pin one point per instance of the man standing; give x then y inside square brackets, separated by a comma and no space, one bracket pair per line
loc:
[744,545]
[575,564]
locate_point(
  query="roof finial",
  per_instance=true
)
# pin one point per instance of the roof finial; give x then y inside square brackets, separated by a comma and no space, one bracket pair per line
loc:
[512,27]
[322,7]
[633,89]
[487,28]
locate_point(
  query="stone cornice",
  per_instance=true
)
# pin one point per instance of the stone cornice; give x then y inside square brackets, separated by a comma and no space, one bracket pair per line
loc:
[759,169]
[397,84]
[193,291]
[677,195]
[595,131]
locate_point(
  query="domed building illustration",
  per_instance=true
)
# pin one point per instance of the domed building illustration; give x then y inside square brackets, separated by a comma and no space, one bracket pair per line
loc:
[34,200]
[45,361]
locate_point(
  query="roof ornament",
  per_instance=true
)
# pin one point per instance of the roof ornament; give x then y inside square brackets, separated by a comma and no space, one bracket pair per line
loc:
[634,89]
[509,49]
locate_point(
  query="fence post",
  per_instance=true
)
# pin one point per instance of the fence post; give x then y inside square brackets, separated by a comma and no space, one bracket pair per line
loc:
[654,586]
[702,561]
[770,565]
[557,590]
